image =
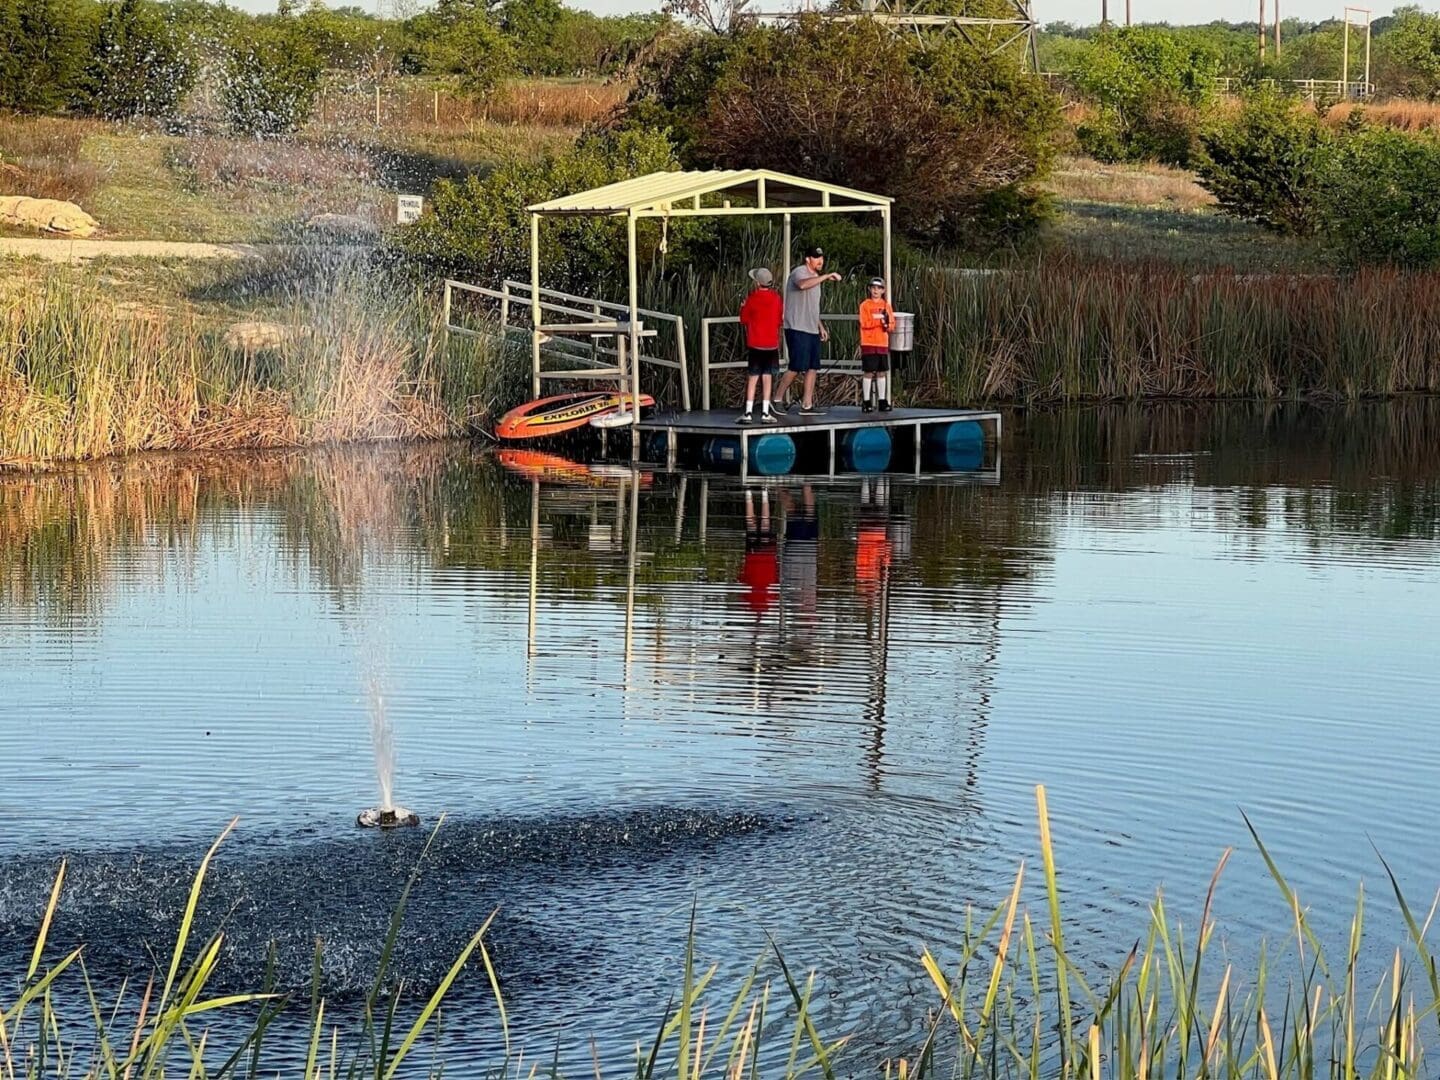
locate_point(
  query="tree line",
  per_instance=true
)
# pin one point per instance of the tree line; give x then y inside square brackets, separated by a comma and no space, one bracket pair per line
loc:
[123,59]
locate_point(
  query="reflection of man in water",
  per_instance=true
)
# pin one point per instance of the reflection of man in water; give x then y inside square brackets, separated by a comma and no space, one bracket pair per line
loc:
[799,562]
[761,568]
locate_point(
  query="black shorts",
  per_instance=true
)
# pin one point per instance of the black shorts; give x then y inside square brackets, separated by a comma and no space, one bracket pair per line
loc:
[762,362]
[873,363]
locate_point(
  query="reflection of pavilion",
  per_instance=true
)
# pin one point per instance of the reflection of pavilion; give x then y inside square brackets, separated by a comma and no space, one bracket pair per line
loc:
[848,619]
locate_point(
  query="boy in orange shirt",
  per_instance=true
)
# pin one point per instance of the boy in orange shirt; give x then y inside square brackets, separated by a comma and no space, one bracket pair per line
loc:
[877,319]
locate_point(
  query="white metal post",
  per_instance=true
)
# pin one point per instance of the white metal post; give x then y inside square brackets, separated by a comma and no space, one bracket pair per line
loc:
[535,304]
[889,280]
[785,277]
[634,323]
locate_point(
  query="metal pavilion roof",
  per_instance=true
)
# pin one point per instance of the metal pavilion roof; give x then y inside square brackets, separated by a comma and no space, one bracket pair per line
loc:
[660,192]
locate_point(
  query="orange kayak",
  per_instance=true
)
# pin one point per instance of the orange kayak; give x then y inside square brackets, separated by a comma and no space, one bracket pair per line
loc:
[563,412]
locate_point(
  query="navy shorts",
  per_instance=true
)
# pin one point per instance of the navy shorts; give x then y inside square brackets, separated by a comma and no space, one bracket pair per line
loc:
[804,349]
[762,362]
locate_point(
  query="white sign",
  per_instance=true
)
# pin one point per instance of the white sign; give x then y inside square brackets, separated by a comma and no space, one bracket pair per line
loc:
[407,208]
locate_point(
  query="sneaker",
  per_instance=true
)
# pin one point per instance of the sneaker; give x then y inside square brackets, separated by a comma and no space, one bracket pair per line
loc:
[810,410]
[779,407]
[745,418]
[885,406]
[769,418]
[865,406]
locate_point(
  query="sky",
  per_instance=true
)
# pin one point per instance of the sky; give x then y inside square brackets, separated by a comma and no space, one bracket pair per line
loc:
[1075,11]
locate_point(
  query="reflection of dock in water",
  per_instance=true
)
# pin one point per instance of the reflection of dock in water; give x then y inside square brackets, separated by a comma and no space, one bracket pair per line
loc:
[842,642]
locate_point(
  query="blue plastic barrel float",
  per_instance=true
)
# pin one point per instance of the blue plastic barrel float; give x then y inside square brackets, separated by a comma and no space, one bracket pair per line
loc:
[956,446]
[866,449]
[770,455]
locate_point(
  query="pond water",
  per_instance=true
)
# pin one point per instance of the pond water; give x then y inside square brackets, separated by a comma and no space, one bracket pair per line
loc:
[818,709]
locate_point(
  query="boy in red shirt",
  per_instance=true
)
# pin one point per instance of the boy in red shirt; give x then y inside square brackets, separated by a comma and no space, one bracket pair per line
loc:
[877,319]
[761,315]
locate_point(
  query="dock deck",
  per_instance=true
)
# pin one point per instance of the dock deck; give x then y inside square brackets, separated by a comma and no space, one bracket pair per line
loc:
[712,423]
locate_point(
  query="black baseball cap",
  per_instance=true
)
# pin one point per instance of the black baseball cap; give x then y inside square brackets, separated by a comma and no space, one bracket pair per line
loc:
[816,252]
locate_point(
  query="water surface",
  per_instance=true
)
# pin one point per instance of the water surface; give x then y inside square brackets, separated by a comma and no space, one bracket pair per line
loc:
[626,705]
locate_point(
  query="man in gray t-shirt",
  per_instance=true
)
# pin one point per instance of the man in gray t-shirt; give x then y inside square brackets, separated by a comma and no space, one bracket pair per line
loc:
[804,330]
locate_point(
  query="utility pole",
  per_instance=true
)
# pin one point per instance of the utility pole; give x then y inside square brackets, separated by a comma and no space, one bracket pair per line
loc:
[1127,12]
[1104,14]
[1277,31]
[1262,31]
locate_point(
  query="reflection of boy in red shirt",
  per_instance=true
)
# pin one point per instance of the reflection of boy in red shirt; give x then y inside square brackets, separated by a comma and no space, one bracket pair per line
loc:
[761,568]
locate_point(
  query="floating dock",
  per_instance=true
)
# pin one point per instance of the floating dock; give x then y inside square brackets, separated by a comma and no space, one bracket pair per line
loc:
[843,432]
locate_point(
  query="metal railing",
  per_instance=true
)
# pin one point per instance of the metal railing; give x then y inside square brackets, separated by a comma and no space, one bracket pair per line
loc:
[594,358]
[1310,89]
[838,366]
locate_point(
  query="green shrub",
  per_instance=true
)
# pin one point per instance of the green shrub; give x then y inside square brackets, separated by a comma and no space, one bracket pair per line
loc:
[139,66]
[1265,163]
[479,227]
[272,77]
[1150,86]
[1380,193]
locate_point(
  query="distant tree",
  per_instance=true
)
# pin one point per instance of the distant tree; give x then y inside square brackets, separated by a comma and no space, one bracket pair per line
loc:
[1149,85]
[140,65]
[44,46]
[272,78]
[1407,55]
[854,104]
[460,37]
[1315,55]
[530,25]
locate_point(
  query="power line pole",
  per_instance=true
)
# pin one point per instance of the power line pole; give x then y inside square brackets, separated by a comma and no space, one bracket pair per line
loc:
[1277,31]
[1127,12]
[1104,13]
[1262,31]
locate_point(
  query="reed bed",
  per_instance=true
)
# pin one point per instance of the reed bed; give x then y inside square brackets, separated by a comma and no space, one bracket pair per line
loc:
[1070,330]
[1009,1001]
[344,355]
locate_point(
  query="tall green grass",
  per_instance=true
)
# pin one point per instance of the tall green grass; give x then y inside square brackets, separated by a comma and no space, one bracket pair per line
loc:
[1073,330]
[334,354]
[1014,1003]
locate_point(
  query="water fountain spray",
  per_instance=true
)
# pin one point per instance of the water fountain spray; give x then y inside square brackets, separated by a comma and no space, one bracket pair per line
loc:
[387,815]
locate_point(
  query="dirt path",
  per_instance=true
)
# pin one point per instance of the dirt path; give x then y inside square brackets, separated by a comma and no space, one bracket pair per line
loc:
[73,251]
[76,251]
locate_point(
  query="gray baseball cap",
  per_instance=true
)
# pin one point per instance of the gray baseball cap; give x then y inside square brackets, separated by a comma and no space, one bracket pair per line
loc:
[762,276]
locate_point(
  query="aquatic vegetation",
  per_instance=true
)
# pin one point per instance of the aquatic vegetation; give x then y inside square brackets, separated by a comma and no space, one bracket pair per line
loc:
[1008,1001]
[1072,330]
[341,353]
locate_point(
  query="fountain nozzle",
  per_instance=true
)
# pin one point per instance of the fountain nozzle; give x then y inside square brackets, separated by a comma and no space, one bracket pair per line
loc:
[395,818]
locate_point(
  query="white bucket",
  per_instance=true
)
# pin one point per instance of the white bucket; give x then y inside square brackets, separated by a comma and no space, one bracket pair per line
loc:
[902,336]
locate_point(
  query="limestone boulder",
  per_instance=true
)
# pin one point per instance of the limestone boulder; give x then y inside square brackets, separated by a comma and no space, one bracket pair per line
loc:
[256,336]
[46,215]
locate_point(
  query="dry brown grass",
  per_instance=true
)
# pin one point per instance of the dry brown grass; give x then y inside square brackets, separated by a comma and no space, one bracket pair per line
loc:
[1402,113]
[411,106]
[1086,180]
[217,162]
[45,157]
[556,104]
